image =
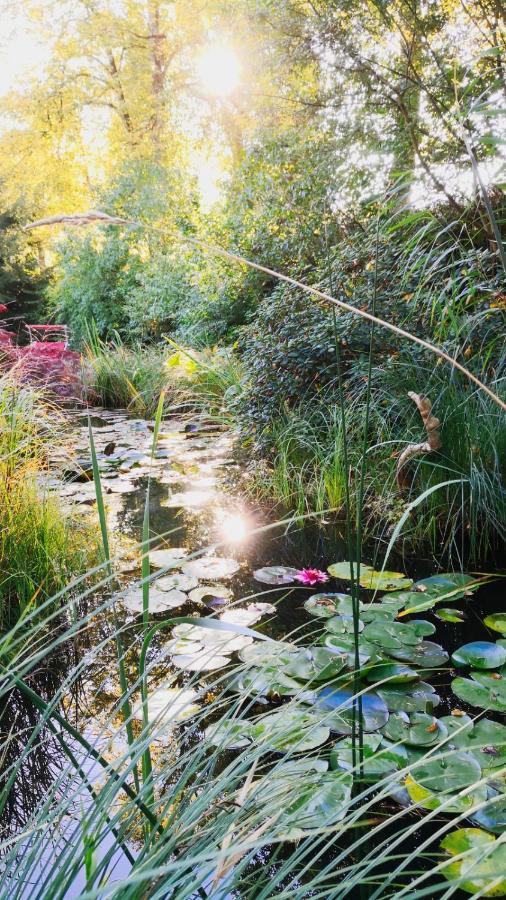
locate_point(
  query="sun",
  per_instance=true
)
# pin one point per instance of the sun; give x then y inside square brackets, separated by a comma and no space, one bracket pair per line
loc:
[219,70]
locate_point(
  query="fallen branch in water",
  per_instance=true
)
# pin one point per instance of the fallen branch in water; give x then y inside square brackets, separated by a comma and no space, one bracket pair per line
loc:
[432,443]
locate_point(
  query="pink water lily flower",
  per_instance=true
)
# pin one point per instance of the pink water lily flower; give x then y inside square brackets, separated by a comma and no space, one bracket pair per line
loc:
[312,576]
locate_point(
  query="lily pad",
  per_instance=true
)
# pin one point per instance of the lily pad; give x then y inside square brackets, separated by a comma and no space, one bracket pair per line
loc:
[209,592]
[497,622]
[326,605]
[480,862]
[229,734]
[338,708]
[171,557]
[177,581]
[480,655]
[459,730]
[392,635]
[449,772]
[301,798]
[211,567]
[342,625]
[491,695]
[205,660]
[276,574]
[492,817]
[271,683]
[488,743]
[379,757]
[446,614]
[390,673]
[167,706]
[419,697]
[425,730]
[369,578]
[159,601]
[426,655]
[249,615]
[314,664]
[290,728]
[448,802]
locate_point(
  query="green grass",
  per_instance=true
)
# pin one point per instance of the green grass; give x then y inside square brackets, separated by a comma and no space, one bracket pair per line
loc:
[41,547]
[118,376]
[305,472]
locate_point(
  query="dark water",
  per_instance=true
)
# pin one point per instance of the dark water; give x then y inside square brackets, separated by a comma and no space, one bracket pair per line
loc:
[301,545]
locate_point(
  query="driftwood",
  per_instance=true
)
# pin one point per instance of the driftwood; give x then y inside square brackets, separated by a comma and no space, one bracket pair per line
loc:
[432,443]
[86,218]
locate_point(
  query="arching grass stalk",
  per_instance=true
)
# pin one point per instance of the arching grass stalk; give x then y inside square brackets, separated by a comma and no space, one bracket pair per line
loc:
[361,485]
[356,709]
[126,709]
[147,766]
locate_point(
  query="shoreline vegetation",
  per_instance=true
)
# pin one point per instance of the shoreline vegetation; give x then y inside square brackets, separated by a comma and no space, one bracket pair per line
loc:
[252,626]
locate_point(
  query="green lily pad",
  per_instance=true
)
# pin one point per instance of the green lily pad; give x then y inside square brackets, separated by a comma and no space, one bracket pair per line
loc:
[488,743]
[492,817]
[384,611]
[390,673]
[342,625]
[276,574]
[497,622]
[171,557]
[301,799]
[327,605]
[270,683]
[419,697]
[267,653]
[480,862]
[450,772]
[391,635]
[379,756]
[480,655]
[447,802]
[314,664]
[428,592]
[290,728]
[488,695]
[459,729]
[368,653]
[370,579]
[397,727]
[425,730]
[426,654]
[338,708]
[446,614]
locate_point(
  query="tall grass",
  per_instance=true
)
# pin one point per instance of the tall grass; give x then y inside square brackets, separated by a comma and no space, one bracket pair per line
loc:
[118,376]
[41,547]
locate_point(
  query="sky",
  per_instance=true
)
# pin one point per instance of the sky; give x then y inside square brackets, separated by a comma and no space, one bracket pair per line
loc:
[22,51]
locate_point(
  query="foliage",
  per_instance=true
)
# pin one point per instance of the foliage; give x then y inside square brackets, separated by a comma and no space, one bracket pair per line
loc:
[22,283]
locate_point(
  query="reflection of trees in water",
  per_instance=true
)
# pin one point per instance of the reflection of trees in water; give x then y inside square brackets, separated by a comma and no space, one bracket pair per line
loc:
[38,758]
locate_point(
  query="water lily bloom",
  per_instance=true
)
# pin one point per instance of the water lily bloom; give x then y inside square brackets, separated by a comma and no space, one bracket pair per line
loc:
[312,576]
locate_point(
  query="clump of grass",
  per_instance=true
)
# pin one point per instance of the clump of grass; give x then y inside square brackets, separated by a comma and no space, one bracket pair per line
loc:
[41,547]
[118,376]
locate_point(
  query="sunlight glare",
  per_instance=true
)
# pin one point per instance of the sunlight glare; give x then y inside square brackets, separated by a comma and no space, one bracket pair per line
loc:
[234,528]
[219,70]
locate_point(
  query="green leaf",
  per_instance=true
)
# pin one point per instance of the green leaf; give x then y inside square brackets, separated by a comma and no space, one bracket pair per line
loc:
[370,579]
[326,605]
[451,772]
[480,654]
[290,728]
[488,695]
[497,622]
[480,863]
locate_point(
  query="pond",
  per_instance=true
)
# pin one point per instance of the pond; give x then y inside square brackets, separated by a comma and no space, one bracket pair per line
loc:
[281,713]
